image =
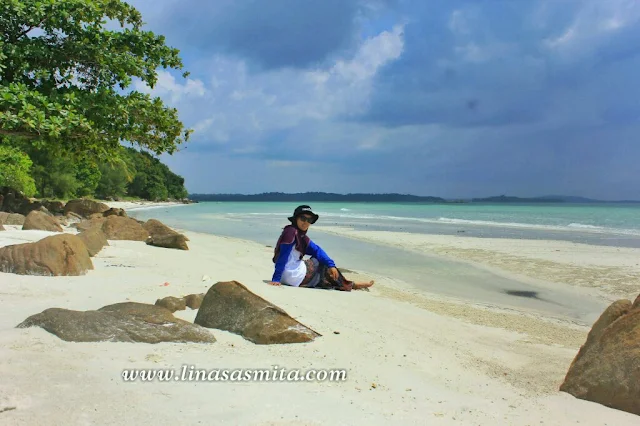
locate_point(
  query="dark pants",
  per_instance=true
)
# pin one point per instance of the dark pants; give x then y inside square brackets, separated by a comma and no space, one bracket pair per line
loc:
[318,276]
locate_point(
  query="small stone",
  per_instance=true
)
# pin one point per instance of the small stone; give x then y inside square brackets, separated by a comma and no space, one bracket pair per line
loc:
[172,303]
[194,301]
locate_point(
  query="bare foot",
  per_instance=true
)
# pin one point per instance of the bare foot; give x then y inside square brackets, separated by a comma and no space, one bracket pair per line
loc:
[359,286]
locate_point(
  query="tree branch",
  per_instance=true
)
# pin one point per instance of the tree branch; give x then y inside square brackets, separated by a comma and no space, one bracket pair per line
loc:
[28,30]
[18,133]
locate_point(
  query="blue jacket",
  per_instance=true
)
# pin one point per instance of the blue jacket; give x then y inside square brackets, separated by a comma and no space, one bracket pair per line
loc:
[313,250]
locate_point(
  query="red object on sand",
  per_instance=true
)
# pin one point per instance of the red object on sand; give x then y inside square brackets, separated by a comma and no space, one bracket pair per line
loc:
[164,285]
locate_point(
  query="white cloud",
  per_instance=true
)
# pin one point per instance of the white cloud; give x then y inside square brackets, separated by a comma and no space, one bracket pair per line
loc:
[246,107]
[593,24]
[373,54]
[212,128]
[167,87]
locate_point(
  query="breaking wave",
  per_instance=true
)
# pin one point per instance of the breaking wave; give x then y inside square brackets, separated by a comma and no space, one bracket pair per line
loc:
[344,215]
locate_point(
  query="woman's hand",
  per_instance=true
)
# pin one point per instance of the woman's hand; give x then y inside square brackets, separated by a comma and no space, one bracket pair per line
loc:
[274,283]
[334,273]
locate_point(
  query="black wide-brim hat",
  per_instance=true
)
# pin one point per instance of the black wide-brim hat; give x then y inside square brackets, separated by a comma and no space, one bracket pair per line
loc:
[300,210]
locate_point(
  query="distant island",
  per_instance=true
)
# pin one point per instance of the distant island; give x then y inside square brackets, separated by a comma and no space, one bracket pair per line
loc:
[508,199]
[546,199]
[318,197]
[389,198]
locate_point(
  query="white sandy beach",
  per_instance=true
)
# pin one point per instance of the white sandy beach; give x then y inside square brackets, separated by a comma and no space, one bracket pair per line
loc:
[411,358]
[141,204]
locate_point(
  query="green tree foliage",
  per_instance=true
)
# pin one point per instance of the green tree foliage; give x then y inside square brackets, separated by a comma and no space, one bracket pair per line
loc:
[130,173]
[114,180]
[15,168]
[153,180]
[62,184]
[88,174]
[65,80]
[61,177]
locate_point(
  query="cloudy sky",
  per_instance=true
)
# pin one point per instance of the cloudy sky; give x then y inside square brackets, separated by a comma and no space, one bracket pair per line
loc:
[430,97]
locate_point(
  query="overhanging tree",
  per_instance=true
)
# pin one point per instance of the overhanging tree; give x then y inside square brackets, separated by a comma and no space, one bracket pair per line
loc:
[14,170]
[66,77]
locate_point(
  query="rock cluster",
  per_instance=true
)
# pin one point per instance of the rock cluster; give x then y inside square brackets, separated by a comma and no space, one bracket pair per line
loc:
[192,301]
[228,306]
[96,222]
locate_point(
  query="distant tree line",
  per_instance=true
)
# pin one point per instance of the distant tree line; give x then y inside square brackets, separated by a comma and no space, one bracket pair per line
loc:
[511,199]
[131,173]
[388,198]
[317,197]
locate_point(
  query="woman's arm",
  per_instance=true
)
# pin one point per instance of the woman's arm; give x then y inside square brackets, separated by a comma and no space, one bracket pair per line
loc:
[316,251]
[285,251]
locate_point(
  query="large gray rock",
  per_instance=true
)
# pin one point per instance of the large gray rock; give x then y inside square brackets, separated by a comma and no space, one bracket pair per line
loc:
[57,255]
[175,241]
[1,227]
[115,212]
[85,224]
[11,218]
[160,235]
[38,220]
[55,207]
[75,217]
[94,239]
[14,201]
[606,369]
[123,228]
[155,227]
[122,322]
[230,306]
[84,207]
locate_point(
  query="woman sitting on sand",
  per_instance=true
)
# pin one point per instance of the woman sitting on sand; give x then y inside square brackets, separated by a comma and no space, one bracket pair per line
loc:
[317,272]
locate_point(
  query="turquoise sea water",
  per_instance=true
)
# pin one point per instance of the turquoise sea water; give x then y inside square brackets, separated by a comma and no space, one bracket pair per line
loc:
[611,224]
[262,222]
